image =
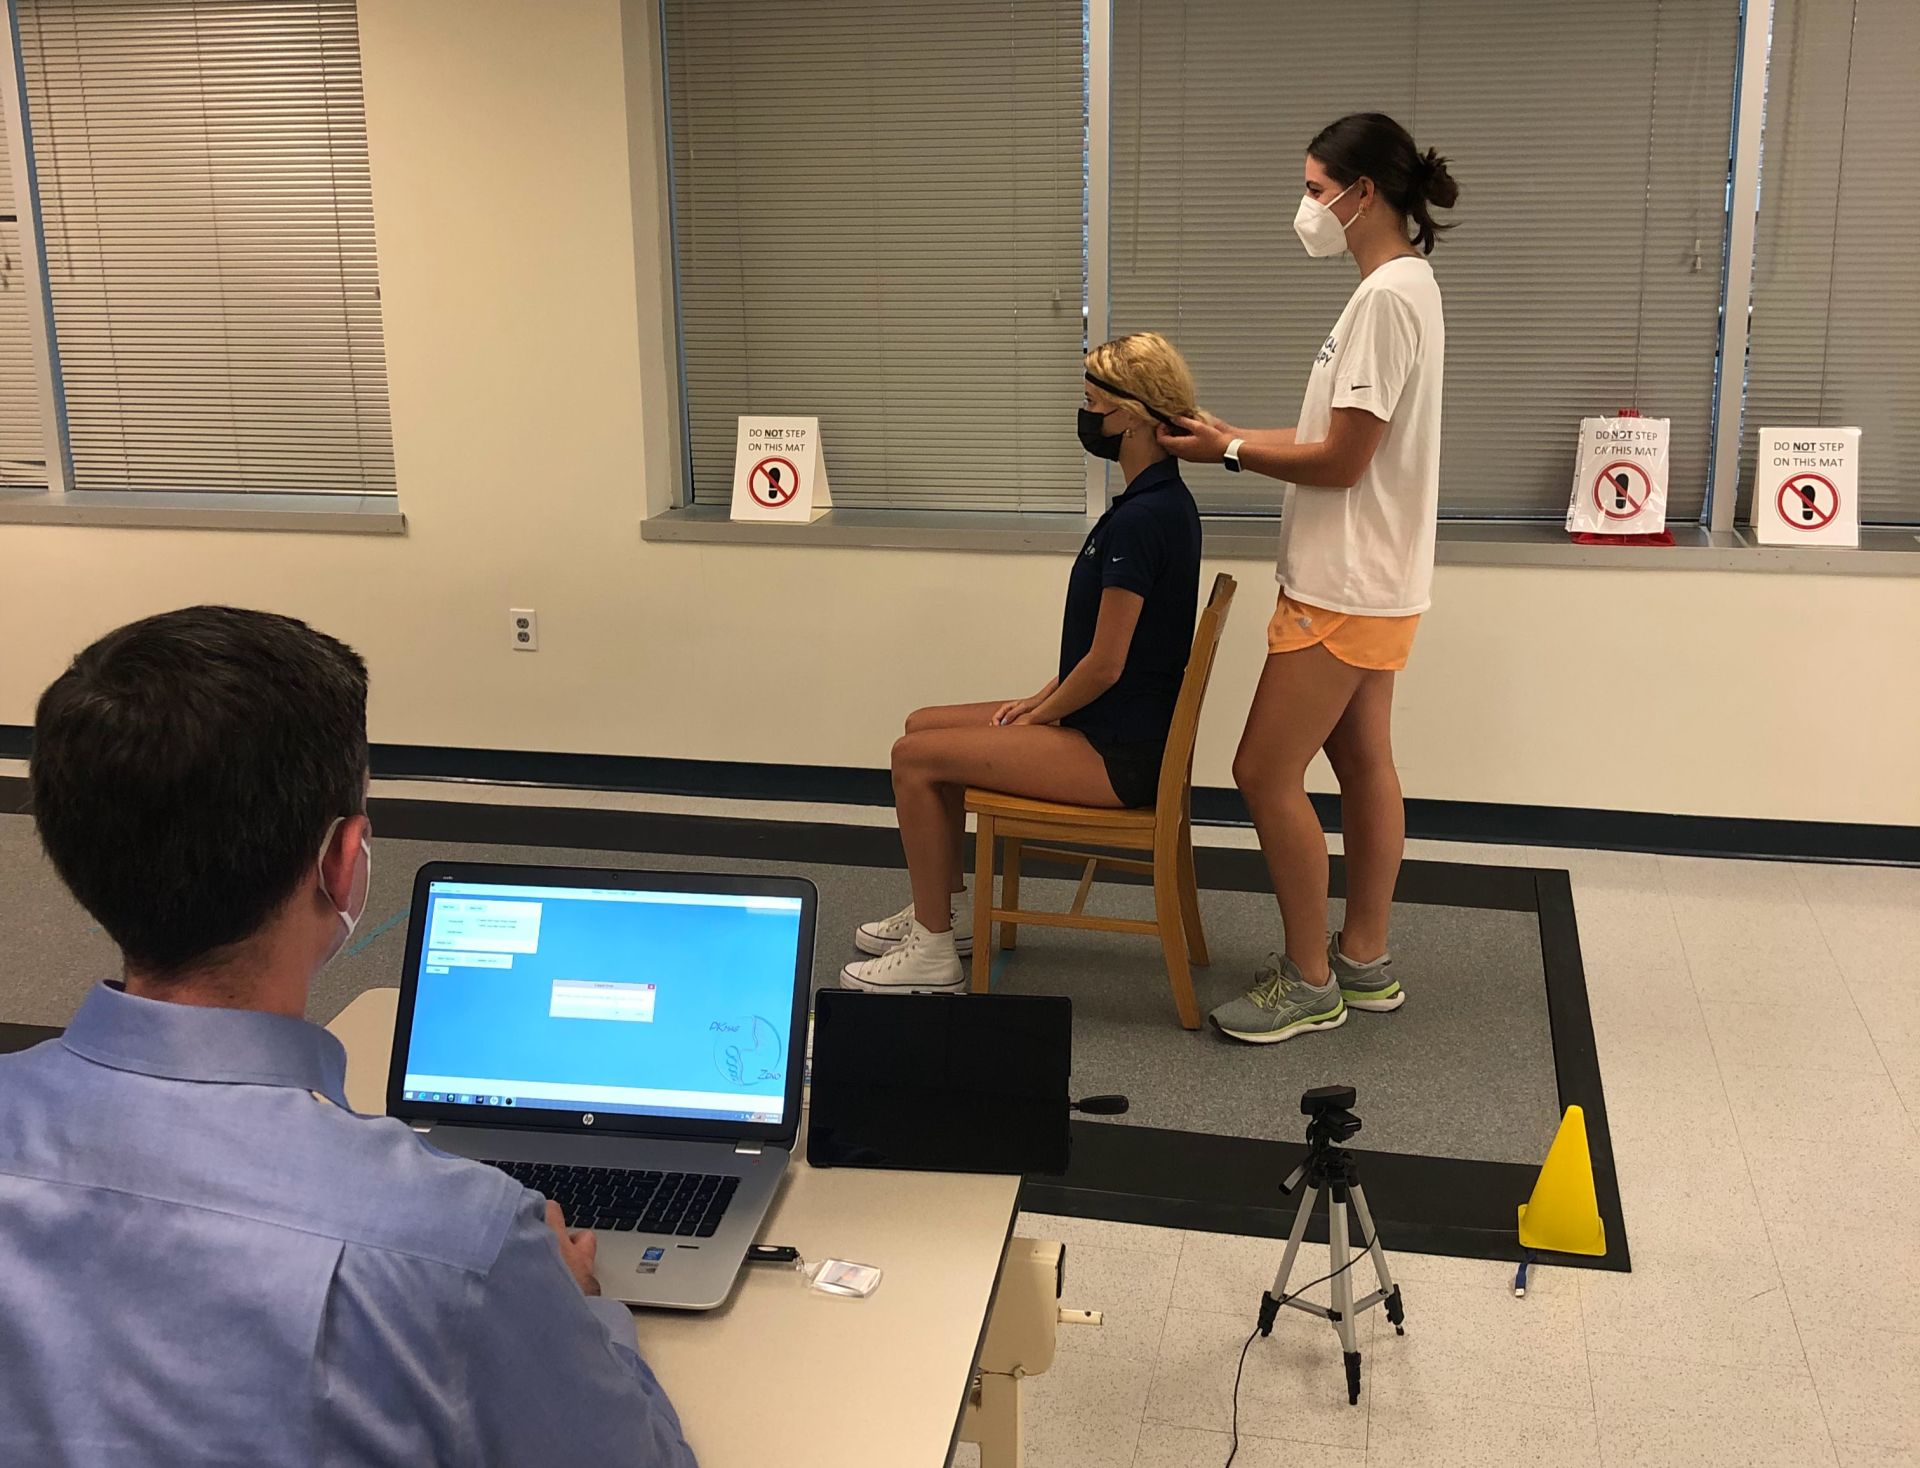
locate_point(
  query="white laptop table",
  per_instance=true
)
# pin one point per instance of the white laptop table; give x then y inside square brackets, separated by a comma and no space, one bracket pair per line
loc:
[782,1374]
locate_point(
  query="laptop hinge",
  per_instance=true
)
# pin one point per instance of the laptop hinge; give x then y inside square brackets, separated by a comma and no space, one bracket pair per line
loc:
[747,1149]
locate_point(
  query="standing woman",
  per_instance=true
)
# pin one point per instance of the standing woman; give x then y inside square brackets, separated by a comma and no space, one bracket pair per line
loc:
[1362,471]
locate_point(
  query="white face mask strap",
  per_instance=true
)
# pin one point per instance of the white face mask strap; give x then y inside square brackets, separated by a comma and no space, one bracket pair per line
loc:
[1328,206]
[320,861]
[349,920]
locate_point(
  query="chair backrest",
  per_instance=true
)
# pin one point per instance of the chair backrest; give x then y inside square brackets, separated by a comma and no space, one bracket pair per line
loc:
[1177,763]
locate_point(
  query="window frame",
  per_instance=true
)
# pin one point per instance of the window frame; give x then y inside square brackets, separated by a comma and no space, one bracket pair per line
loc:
[690,479]
[1728,423]
[1727,400]
[39,299]
[59,502]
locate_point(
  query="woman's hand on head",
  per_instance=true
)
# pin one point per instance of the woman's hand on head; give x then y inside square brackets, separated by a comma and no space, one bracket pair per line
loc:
[1202,439]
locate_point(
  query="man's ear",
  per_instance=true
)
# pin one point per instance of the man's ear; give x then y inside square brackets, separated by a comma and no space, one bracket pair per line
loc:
[340,859]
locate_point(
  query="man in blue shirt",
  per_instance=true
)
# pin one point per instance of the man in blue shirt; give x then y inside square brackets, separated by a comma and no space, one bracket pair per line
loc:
[205,1257]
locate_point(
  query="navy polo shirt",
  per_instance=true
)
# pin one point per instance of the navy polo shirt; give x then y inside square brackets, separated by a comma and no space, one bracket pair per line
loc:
[1147,542]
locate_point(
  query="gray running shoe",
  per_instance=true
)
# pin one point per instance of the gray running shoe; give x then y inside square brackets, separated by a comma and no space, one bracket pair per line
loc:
[1365,985]
[1280,1005]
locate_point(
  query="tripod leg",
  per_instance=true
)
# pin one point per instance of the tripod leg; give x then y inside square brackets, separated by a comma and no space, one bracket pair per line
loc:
[1396,1313]
[1342,1284]
[1270,1302]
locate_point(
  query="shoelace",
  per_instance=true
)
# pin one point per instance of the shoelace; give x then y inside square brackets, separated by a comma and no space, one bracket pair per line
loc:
[902,922]
[1266,992]
[894,958]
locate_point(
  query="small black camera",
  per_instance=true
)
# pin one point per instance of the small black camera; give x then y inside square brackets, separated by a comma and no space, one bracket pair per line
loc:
[1326,1098]
[1331,1119]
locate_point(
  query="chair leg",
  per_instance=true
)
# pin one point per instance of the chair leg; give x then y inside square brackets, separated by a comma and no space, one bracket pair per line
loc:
[1010,891]
[1190,901]
[983,905]
[1173,940]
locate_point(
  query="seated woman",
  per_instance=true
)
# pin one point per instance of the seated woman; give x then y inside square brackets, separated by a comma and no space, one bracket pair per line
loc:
[1092,736]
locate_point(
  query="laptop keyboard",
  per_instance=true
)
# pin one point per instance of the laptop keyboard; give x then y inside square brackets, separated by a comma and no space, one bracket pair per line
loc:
[686,1204]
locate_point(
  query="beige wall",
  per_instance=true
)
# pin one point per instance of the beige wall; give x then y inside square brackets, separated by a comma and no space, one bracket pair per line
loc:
[523,276]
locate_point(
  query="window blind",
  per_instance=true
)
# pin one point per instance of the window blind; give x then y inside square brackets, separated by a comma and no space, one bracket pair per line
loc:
[209,237]
[1836,308]
[23,454]
[879,220]
[1591,141]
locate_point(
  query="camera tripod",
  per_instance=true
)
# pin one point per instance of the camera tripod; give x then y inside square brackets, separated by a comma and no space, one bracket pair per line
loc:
[1331,1170]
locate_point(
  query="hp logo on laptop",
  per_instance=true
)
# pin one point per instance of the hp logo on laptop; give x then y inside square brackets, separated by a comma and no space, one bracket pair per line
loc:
[587,1120]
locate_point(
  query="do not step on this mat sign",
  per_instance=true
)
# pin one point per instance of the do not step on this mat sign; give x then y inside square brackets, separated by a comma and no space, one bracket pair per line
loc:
[1806,487]
[780,471]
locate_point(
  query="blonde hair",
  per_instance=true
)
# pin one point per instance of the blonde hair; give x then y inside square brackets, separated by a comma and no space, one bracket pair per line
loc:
[1149,371]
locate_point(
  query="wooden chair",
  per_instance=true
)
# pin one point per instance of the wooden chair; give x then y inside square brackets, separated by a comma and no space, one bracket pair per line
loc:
[1165,831]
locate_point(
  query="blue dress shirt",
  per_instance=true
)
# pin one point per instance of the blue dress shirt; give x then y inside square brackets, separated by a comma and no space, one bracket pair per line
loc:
[202,1263]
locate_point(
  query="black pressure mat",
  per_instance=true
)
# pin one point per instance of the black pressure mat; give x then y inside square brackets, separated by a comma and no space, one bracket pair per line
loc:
[1460,1089]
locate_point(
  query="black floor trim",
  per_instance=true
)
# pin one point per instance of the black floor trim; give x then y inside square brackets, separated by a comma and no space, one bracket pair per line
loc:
[24,1037]
[1427,1205]
[1144,1174]
[626,830]
[1448,884]
[1432,820]
[1576,1058]
[1196,1180]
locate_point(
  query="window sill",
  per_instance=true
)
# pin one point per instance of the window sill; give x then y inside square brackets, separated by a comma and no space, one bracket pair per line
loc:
[1461,542]
[324,513]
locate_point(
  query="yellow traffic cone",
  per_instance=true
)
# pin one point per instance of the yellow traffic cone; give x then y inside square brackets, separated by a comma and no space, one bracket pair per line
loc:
[1563,1215]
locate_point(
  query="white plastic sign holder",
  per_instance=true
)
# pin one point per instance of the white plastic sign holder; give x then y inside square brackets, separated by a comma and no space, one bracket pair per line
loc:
[1620,476]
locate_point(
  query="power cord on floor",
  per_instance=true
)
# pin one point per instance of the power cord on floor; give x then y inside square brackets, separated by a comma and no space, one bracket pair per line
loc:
[1234,1451]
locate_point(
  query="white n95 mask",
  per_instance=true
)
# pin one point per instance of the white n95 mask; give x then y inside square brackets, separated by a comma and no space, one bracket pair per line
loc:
[1319,228]
[349,920]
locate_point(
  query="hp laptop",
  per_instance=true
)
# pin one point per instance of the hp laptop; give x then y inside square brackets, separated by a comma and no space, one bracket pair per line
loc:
[623,1042]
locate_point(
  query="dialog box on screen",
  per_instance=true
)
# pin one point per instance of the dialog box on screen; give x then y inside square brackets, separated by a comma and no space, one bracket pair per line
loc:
[585,999]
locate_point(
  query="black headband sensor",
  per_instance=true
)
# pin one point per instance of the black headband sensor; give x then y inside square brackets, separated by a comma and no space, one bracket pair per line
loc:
[1121,392]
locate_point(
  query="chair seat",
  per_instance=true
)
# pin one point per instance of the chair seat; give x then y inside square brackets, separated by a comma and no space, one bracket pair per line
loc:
[1093,817]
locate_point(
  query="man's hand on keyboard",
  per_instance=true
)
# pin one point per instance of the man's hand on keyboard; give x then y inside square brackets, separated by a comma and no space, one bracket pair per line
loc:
[577,1248]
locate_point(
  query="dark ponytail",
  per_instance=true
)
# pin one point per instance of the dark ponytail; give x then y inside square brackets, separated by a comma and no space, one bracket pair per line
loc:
[1372,145]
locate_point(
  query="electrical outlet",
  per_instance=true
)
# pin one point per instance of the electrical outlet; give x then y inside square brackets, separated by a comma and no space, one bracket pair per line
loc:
[524,629]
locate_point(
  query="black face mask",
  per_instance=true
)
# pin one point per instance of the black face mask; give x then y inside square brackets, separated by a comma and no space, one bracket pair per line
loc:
[1094,439]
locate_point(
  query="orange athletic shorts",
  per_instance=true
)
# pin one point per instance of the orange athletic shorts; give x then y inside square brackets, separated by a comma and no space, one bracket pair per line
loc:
[1378,644]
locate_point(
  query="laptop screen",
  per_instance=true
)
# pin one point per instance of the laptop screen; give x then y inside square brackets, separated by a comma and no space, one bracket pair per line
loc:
[649,1003]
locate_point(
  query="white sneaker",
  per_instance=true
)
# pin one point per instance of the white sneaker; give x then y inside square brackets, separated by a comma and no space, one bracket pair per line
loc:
[890,932]
[926,963]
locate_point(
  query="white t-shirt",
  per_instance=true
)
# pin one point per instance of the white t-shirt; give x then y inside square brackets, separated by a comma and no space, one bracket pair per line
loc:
[1369,549]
